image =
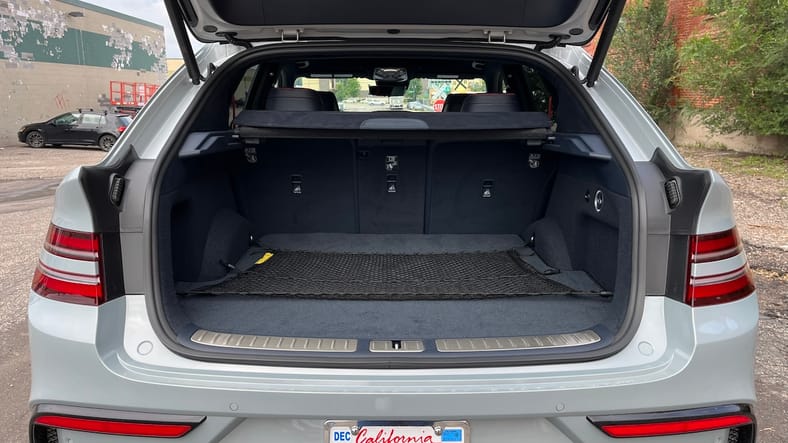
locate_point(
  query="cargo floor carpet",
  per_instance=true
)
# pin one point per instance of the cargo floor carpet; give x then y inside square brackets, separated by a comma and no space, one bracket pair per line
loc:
[400,319]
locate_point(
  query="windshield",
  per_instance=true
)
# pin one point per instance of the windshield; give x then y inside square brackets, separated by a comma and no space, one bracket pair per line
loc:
[420,95]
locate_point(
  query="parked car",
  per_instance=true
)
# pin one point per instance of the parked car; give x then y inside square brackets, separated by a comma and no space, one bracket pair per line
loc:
[536,263]
[418,106]
[76,128]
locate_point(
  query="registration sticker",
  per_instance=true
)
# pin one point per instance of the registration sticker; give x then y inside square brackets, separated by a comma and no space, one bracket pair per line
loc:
[397,432]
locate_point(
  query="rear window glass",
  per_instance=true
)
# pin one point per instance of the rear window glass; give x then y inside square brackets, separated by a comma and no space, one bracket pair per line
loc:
[540,95]
[67,119]
[421,95]
[91,119]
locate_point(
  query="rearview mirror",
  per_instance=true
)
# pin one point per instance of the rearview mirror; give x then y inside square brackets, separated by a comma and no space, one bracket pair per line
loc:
[387,90]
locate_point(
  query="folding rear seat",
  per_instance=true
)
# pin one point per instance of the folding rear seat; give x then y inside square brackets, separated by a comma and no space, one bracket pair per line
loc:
[490,187]
[300,185]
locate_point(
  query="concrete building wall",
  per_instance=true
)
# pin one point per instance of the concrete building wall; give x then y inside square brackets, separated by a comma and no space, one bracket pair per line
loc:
[173,64]
[57,56]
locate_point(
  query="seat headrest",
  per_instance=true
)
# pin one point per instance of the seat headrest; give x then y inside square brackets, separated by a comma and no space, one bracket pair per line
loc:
[293,99]
[454,102]
[491,103]
[329,100]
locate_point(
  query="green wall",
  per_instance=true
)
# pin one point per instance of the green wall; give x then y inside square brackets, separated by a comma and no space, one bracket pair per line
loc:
[76,47]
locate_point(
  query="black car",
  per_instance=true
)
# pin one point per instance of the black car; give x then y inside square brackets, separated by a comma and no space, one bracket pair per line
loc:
[76,128]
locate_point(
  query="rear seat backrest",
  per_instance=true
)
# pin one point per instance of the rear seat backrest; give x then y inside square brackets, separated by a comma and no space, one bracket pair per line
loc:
[300,185]
[329,101]
[454,102]
[491,103]
[486,187]
[293,99]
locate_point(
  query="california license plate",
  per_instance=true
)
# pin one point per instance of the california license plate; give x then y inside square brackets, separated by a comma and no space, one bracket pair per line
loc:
[397,432]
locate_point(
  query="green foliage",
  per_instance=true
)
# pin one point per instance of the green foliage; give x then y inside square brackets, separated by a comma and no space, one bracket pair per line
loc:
[476,85]
[643,56]
[346,88]
[415,90]
[741,67]
[540,95]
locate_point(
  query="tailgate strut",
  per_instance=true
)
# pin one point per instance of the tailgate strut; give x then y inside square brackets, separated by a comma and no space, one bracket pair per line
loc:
[176,14]
[605,38]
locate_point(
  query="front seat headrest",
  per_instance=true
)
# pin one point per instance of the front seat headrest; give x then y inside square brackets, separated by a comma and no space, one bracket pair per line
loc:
[491,103]
[293,99]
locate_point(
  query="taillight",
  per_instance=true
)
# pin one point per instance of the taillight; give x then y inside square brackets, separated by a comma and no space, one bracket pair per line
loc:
[121,128]
[115,427]
[69,268]
[674,427]
[47,419]
[737,419]
[718,270]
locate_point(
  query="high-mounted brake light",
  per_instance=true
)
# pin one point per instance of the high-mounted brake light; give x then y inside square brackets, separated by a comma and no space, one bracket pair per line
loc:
[718,270]
[69,268]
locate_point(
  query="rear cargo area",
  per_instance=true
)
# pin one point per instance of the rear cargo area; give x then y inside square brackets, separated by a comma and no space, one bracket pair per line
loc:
[398,285]
[395,240]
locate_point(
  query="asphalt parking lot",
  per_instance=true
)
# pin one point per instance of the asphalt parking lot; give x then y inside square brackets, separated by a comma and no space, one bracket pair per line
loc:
[28,178]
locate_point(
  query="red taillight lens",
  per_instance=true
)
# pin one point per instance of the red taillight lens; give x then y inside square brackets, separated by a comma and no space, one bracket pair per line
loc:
[634,430]
[718,270]
[712,247]
[121,128]
[70,268]
[115,427]
[736,418]
[72,244]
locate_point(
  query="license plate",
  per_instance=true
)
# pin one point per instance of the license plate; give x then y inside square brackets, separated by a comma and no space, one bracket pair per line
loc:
[397,432]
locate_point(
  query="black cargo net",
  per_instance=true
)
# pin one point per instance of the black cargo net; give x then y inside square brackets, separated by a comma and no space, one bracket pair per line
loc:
[390,276]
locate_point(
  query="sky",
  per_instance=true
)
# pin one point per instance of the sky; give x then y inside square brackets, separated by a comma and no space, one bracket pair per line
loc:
[150,10]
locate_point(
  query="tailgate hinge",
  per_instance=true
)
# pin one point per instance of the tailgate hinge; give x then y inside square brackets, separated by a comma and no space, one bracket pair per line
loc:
[555,40]
[230,37]
[496,36]
[291,35]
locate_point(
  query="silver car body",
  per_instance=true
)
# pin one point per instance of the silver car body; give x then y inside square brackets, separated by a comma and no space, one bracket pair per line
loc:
[111,357]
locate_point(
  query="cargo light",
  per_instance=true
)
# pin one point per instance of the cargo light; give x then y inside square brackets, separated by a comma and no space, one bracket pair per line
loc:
[69,269]
[718,270]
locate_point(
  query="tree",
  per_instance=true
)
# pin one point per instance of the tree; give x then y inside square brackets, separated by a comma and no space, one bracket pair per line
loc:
[346,88]
[643,56]
[741,68]
[415,90]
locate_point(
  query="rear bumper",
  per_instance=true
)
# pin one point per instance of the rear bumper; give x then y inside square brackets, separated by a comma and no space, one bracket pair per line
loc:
[21,137]
[110,357]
